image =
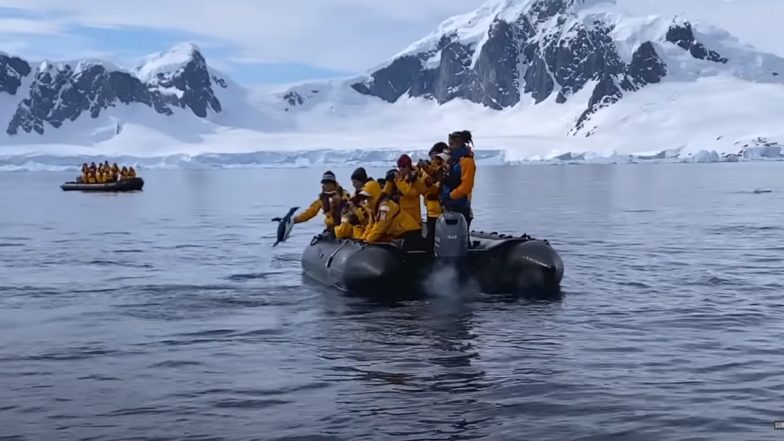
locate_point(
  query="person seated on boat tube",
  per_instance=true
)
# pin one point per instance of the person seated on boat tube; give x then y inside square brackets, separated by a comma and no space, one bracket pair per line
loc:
[408,187]
[85,172]
[458,185]
[358,180]
[131,172]
[387,220]
[331,202]
[353,209]
[355,217]
[353,221]
[124,173]
[358,228]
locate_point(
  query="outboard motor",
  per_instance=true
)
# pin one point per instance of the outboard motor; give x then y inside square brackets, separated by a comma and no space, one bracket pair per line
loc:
[451,237]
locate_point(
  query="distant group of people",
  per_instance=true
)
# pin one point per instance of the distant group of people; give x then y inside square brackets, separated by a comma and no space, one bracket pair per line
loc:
[104,173]
[389,208]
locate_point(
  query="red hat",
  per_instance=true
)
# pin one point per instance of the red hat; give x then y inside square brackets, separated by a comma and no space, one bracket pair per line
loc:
[404,161]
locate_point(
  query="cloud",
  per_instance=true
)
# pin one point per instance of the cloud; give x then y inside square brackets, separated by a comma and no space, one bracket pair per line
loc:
[13,25]
[335,34]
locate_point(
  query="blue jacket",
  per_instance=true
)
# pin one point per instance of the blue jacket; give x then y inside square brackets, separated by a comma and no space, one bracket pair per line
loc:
[458,186]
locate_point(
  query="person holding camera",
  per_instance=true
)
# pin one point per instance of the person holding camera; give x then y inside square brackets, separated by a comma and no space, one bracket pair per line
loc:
[406,186]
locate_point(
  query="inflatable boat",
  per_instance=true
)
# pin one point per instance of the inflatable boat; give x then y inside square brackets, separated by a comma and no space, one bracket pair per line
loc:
[130,184]
[497,263]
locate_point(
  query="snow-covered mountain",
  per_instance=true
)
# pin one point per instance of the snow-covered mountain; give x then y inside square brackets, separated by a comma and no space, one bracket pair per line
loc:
[511,52]
[59,92]
[536,79]
[91,101]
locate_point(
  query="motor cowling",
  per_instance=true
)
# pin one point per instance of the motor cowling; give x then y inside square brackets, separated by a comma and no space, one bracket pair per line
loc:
[451,236]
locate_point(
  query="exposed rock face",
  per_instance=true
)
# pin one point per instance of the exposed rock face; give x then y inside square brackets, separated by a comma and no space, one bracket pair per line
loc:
[544,50]
[64,92]
[683,36]
[12,70]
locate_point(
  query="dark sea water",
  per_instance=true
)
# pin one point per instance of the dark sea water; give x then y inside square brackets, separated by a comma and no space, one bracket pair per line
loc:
[167,314]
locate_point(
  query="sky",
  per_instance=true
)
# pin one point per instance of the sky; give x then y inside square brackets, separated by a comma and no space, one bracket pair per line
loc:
[282,41]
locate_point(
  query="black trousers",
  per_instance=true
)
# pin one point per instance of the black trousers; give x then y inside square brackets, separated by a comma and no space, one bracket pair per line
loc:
[413,241]
[466,212]
[431,231]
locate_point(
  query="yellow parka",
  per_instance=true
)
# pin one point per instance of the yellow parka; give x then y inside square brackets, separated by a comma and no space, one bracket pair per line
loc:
[409,195]
[387,221]
[323,204]
[349,230]
[432,200]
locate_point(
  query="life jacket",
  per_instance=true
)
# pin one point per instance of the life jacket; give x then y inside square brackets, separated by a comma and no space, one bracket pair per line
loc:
[455,176]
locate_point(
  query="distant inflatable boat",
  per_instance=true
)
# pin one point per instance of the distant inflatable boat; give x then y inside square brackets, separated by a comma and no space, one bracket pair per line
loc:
[130,184]
[498,264]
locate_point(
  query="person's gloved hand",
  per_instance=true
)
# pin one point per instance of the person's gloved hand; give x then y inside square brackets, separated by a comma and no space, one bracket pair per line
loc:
[446,199]
[391,176]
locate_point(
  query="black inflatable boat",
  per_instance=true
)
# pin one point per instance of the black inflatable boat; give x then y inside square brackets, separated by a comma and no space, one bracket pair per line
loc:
[499,264]
[130,184]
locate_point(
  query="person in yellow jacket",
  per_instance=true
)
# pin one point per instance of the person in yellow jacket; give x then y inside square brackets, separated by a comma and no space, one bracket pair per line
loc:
[331,202]
[387,220]
[354,217]
[352,223]
[131,172]
[435,171]
[406,186]
[85,173]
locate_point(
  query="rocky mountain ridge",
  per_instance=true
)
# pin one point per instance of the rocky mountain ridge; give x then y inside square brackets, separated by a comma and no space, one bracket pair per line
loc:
[55,93]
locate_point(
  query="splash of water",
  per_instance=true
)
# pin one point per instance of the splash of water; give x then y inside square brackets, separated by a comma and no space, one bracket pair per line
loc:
[446,282]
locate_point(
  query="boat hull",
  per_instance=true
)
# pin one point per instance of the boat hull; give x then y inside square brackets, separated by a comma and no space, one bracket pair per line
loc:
[498,264]
[131,184]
